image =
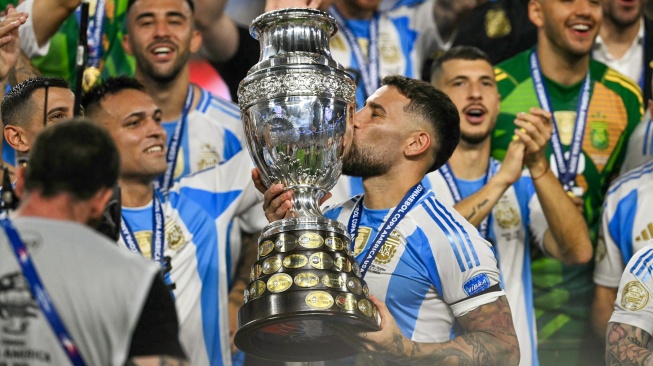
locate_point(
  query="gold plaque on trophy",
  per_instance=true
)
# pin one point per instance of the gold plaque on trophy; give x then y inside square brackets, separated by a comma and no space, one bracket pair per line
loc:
[311,240]
[265,248]
[321,260]
[295,261]
[285,243]
[271,265]
[307,280]
[279,282]
[319,300]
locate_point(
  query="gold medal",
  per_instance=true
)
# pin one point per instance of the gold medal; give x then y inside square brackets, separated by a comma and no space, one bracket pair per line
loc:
[311,240]
[497,23]
[319,300]
[295,261]
[90,78]
[346,301]
[365,306]
[342,264]
[354,285]
[321,260]
[285,243]
[265,248]
[279,282]
[271,265]
[306,279]
[334,243]
[333,280]
[257,289]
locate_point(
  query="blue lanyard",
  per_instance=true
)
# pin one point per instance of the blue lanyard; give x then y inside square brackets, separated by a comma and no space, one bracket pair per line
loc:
[164,182]
[455,192]
[369,68]
[567,167]
[40,294]
[95,31]
[157,233]
[413,195]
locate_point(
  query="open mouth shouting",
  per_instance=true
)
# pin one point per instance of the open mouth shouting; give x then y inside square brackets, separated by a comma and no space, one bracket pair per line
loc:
[475,113]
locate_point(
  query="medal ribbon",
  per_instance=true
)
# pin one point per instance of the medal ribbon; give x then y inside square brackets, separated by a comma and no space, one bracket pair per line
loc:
[413,195]
[40,294]
[567,168]
[95,31]
[164,182]
[369,68]
[157,233]
[457,197]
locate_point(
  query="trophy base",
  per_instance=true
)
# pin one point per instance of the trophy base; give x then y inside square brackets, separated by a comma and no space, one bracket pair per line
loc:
[306,298]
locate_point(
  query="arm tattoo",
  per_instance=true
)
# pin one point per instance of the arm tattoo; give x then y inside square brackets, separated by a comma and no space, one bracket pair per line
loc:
[480,205]
[490,339]
[471,214]
[627,345]
[398,340]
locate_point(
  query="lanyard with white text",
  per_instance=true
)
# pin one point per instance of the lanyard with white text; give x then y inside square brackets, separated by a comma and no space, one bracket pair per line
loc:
[157,233]
[369,68]
[567,167]
[95,32]
[40,294]
[457,197]
[164,182]
[413,195]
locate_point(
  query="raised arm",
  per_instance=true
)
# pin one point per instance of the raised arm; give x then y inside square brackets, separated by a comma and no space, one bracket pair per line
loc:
[567,238]
[48,15]
[476,207]
[219,33]
[489,339]
[627,345]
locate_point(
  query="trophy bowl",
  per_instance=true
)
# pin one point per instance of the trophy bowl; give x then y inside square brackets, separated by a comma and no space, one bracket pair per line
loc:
[305,288]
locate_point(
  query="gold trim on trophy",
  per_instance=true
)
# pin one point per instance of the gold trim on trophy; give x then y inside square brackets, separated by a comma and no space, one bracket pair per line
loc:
[321,260]
[265,248]
[333,280]
[346,301]
[271,265]
[319,300]
[295,261]
[257,289]
[307,279]
[365,306]
[285,243]
[279,282]
[334,243]
[342,264]
[311,240]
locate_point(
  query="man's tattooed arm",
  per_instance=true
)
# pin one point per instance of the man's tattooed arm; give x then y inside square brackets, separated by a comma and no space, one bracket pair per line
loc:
[489,339]
[627,345]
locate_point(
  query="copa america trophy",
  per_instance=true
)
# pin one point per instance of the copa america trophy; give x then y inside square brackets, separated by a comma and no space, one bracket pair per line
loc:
[306,286]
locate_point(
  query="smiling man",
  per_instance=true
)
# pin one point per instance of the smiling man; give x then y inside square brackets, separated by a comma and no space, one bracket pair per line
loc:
[594,110]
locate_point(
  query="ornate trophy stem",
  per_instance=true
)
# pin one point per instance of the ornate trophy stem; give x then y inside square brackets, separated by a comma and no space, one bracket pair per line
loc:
[296,103]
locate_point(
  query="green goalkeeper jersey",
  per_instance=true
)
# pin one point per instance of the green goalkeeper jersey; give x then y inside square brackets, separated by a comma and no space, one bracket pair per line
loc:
[563,294]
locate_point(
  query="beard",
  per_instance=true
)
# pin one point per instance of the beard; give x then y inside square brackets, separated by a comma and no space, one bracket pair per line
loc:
[163,76]
[474,138]
[361,162]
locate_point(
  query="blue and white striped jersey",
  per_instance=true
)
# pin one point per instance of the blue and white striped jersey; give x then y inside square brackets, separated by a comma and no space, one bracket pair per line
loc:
[407,35]
[429,268]
[626,223]
[640,145]
[633,305]
[515,218]
[191,243]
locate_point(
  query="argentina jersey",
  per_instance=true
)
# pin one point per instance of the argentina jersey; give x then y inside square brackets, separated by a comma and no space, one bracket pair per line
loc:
[640,144]
[633,305]
[516,218]
[626,223]
[209,136]
[407,35]
[190,241]
[429,269]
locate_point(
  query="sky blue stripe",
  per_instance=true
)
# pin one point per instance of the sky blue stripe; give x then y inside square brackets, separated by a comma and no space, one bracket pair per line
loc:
[633,174]
[429,210]
[641,263]
[468,241]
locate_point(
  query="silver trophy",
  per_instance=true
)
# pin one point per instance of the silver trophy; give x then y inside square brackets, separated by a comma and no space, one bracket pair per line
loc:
[306,289]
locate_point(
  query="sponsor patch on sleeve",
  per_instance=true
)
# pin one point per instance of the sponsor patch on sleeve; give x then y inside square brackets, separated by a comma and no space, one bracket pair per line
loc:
[476,284]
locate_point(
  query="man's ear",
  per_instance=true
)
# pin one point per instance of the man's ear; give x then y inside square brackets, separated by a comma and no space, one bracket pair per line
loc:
[16,137]
[195,41]
[126,45]
[535,13]
[418,143]
[99,201]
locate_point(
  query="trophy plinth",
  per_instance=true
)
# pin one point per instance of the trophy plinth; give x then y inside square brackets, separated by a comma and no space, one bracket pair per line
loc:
[295,104]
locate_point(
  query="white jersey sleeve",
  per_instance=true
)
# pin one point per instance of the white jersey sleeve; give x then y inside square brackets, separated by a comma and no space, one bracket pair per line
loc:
[633,305]
[640,145]
[28,42]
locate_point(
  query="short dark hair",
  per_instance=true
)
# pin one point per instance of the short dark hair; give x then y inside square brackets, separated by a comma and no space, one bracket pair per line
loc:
[91,99]
[191,3]
[434,106]
[18,106]
[75,157]
[469,53]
